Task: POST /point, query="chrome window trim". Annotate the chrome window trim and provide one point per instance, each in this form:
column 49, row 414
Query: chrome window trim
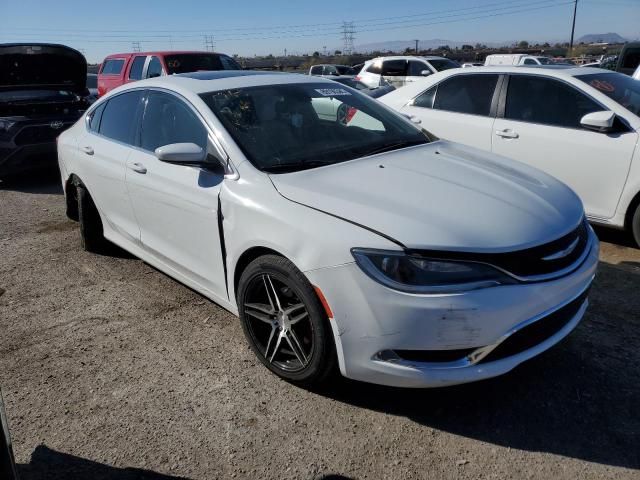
column 231, row 171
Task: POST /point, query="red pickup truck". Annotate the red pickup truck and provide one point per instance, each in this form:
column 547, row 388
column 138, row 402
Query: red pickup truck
column 121, row 68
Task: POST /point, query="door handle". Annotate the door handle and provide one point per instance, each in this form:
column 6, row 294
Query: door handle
column 88, row 150
column 506, row 133
column 138, row 167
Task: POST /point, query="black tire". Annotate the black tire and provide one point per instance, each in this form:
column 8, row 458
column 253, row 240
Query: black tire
column 91, row 236
column 314, row 361
column 635, row 226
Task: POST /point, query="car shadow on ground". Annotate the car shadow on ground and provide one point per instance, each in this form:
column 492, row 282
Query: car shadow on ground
column 621, row 238
column 43, row 181
column 49, row 464
column 579, row 399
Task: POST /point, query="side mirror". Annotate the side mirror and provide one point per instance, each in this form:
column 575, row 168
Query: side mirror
column 411, row 118
column 598, row 121
column 182, row 154
column 425, row 73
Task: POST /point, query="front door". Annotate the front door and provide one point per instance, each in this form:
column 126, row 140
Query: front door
column 177, row 205
column 541, row 127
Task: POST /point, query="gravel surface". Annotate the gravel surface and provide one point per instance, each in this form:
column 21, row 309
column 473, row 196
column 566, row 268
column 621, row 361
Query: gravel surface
column 112, row 370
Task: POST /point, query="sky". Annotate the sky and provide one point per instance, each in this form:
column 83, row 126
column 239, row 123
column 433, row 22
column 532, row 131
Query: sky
column 260, row 27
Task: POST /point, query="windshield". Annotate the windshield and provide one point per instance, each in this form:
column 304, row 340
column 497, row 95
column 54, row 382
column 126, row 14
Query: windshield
column 284, row 128
column 443, row 64
column 545, row 61
column 194, row 62
column 618, row 87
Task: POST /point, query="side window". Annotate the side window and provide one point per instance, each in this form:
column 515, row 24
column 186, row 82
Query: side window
column 317, row 70
column 96, row 116
column 229, row 63
column 547, row 101
column 425, row 99
column 416, row 68
column 155, row 68
column 119, row 116
column 136, row 68
column 529, row 61
column 470, row 94
column 167, row 120
column 631, row 58
column 375, row 68
column 112, row 66
column 394, row 68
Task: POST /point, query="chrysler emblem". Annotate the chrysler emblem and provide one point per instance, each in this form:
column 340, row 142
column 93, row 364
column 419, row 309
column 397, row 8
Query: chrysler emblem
column 56, row 125
column 563, row 253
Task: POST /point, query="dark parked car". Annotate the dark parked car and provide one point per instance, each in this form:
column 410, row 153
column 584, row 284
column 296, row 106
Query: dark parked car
column 629, row 58
column 42, row 92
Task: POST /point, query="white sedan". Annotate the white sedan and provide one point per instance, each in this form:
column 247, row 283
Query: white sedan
column 366, row 246
column 578, row 124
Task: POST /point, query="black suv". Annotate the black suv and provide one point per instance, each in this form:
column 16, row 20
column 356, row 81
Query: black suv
column 42, row 92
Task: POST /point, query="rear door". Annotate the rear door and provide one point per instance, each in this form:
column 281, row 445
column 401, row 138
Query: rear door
column 461, row 108
column 395, row 72
column 539, row 124
column 105, row 149
column 177, row 205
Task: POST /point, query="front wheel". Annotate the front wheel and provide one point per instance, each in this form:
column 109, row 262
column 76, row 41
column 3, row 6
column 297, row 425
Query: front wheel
column 284, row 321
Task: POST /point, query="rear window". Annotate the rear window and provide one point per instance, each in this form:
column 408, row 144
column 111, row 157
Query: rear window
column 112, row 66
column 193, row 62
column 443, row 64
column 375, row 68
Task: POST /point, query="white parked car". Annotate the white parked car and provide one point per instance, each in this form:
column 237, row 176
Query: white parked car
column 401, row 70
column 578, row 124
column 512, row 59
column 404, row 260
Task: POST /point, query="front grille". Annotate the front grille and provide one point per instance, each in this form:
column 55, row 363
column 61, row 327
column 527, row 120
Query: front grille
column 530, row 262
column 536, row 333
column 39, row 134
column 433, row 356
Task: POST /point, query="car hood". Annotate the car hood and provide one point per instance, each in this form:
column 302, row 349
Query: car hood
column 42, row 67
column 442, row 196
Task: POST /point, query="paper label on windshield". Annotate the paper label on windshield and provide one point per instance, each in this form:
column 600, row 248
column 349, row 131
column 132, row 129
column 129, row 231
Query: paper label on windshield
column 332, row 92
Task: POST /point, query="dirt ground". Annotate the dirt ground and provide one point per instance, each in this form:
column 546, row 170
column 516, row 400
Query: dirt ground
column 112, row 370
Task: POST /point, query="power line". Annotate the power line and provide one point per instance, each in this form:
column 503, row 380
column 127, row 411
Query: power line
column 391, row 26
column 335, row 26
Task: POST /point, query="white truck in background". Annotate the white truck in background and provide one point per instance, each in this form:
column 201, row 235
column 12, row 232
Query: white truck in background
column 516, row 59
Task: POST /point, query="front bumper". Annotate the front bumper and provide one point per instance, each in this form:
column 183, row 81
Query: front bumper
column 370, row 320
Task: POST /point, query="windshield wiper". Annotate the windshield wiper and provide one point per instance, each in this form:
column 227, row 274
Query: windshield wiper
column 295, row 166
column 387, row 147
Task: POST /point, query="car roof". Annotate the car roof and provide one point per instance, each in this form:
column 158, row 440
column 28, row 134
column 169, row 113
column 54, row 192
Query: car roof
column 210, row 81
column 549, row 70
column 159, row 53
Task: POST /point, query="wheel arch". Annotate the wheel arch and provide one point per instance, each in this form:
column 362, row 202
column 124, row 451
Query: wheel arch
column 246, row 258
column 71, row 196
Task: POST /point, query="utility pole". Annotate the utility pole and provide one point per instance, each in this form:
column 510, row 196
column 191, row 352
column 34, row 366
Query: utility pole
column 416, row 46
column 573, row 27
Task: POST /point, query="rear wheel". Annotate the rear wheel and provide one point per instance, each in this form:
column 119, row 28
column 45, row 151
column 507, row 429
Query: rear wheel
column 635, row 226
column 284, row 321
column 91, row 236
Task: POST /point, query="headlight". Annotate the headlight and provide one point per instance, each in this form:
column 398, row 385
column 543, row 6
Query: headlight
column 5, row 125
column 414, row 274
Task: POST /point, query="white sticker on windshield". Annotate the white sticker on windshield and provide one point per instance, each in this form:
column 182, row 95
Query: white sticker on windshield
column 332, row 92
